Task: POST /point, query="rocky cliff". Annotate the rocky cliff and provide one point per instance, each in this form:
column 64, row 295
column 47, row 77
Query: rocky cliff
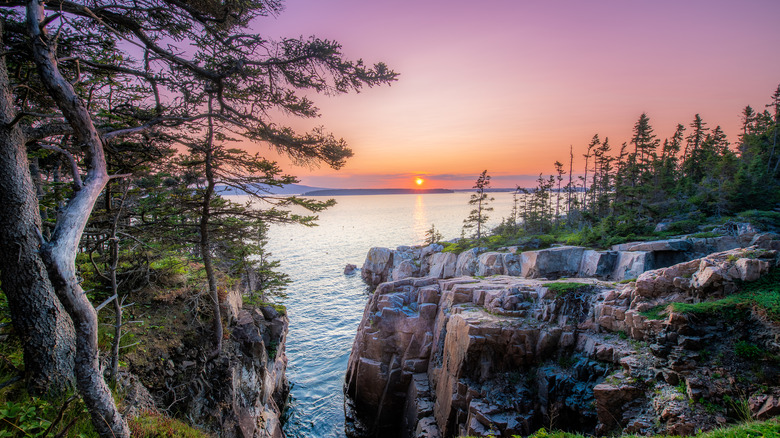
column 441, row 353
column 241, row 393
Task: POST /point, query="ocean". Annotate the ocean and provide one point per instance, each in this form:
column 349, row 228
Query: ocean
column 325, row 306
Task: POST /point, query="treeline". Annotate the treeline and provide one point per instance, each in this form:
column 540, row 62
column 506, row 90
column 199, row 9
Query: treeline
column 626, row 191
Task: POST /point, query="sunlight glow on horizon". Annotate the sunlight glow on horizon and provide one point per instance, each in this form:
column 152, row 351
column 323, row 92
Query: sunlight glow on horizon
column 509, row 86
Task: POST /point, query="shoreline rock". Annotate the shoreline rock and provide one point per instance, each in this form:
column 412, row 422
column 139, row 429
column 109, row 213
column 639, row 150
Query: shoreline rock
column 508, row 354
column 622, row 262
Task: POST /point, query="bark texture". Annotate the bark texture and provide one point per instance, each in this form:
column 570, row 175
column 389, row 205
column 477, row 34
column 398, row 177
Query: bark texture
column 38, row 317
column 59, row 254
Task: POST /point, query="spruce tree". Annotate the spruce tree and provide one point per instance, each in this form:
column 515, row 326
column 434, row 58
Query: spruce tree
column 480, row 200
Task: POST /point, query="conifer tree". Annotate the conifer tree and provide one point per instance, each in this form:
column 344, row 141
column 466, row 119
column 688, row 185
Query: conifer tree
column 480, row 200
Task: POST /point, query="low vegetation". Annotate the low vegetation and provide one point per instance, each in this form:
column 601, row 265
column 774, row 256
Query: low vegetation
column 565, row 288
column 155, row 425
column 761, row 296
column 752, row 429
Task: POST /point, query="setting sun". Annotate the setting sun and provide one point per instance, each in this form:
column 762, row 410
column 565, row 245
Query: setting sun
column 419, row 181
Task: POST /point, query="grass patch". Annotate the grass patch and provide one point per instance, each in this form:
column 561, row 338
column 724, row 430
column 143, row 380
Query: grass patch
column 706, row 235
column 762, row 295
column 564, row 288
column 656, row 312
column 154, row 425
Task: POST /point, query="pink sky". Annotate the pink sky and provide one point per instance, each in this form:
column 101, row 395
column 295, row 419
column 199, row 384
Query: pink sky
column 508, row 85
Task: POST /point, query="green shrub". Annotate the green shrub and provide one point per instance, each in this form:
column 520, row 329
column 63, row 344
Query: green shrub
column 748, row 351
column 685, row 226
column 657, row 312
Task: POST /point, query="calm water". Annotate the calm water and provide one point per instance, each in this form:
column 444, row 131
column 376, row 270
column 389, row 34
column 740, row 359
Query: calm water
column 325, row 306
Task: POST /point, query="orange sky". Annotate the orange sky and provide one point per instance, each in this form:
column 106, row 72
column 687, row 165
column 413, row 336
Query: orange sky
column 507, row 86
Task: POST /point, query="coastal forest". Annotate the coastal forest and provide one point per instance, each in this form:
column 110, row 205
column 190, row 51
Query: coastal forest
column 622, row 193
column 123, row 121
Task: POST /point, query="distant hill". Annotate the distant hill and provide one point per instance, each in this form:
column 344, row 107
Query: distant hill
column 353, row 192
column 290, row 189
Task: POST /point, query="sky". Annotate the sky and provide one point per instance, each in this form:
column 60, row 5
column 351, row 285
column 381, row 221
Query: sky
column 508, row 86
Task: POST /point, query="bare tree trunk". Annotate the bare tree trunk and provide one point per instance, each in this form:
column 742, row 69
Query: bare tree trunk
column 570, row 187
column 59, row 254
column 205, row 242
column 113, row 266
column 37, row 316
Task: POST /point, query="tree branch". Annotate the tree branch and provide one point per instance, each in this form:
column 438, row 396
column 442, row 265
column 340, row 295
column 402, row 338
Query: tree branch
column 74, row 166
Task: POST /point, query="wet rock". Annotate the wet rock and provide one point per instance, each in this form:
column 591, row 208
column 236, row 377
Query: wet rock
column 350, row 269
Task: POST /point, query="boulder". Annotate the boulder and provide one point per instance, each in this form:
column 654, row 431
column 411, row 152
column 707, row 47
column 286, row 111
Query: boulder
column 378, row 265
column 513, row 264
column 599, row 264
column 662, row 245
column 654, row 283
column 704, row 246
column 751, row 269
column 490, row 263
column 630, row 264
column 467, row 263
column 350, row 269
column 405, row 269
column 552, row 262
column 610, row 400
column 425, row 257
column 443, row 265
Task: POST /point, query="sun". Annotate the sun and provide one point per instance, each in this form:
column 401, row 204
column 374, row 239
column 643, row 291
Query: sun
column 419, row 181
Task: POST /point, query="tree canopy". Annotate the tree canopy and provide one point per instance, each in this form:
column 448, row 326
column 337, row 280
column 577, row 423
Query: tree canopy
column 112, row 86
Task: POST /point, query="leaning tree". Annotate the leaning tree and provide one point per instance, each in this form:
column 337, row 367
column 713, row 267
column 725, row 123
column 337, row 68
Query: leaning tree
column 184, row 62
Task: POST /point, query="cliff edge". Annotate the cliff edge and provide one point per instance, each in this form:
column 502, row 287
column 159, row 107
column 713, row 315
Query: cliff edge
column 684, row 347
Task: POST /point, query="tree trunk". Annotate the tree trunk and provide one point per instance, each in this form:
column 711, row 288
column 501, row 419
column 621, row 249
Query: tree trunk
column 205, row 243
column 38, row 318
column 59, row 254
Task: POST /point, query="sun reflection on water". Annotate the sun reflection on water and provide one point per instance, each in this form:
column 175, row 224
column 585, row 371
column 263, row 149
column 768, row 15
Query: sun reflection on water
column 421, row 224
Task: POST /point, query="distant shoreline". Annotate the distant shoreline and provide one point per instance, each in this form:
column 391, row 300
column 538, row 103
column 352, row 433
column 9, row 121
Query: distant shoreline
column 354, row 192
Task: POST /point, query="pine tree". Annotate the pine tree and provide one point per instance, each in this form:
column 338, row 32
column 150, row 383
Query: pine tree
column 480, row 200
column 692, row 160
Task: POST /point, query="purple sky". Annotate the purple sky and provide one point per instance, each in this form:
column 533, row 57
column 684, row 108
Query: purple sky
column 507, row 86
